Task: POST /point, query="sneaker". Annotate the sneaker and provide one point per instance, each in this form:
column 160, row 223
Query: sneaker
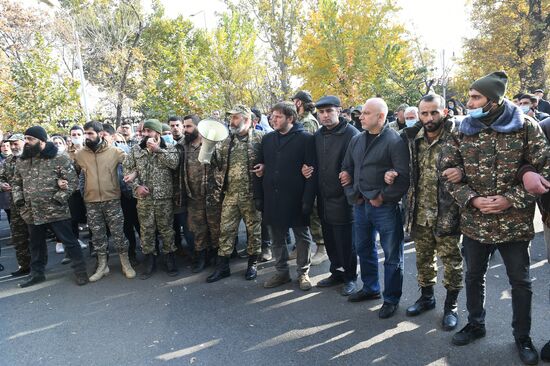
column 305, row 282
column 349, row 288
column 267, row 254
column 82, row 244
column 527, row 352
column 66, row 260
column 468, row 334
column 21, row 272
column 277, row 280
column 32, row 280
column 59, row 248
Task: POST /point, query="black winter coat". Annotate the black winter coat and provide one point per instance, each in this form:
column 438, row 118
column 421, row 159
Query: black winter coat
column 285, row 191
column 331, row 146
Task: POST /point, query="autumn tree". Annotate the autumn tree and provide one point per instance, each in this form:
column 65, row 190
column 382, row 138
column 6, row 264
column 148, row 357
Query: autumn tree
column 512, row 35
column 32, row 88
column 358, row 59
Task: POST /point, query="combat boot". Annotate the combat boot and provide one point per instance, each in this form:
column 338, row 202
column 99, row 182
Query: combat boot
column 424, row 303
column 222, row 270
column 126, row 265
column 102, row 268
column 199, row 261
column 252, row 270
column 170, row 261
column 148, row 266
column 450, row 314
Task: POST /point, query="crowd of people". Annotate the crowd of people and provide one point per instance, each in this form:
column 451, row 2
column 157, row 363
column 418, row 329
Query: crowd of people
column 459, row 186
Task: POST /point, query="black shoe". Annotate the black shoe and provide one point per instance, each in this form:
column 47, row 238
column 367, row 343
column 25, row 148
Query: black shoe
column 545, row 352
column 527, row 352
column 330, row 281
column 21, row 272
column 81, row 278
column 252, row 270
column 424, row 303
column 133, row 260
column 349, row 288
column 171, row 268
column 148, row 267
column 468, row 334
column 363, row 296
column 222, row 270
column 199, row 261
column 449, row 321
column 387, row 310
column 33, row 280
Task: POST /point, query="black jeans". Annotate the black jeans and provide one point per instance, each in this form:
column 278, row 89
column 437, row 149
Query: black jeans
column 39, row 251
column 180, row 225
column 131, row 221
column 515, row 256
column 340, row 250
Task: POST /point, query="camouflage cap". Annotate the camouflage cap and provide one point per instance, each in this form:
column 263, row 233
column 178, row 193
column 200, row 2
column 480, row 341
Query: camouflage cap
column 240, row 109
column 16, row 137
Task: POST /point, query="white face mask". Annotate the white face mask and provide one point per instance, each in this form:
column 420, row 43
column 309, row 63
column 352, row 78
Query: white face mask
column 410, row 122
column 60, row 149
column 77, row 140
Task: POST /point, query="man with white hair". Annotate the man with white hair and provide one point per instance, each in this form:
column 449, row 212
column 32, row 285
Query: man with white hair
column 411, row 116
column 376, row 205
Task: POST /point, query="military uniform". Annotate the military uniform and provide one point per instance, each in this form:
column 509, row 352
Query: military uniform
column 18, row 227
column 237, row 157
column 42, row 203
column 203, row 185
column 311, row 125
column 429, row 202
column 156, row 210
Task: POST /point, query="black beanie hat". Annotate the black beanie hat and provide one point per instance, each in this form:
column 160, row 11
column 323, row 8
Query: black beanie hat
column 37, row 132
column 493, row 86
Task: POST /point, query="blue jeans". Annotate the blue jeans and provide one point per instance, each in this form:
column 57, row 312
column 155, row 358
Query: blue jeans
column 387, row 221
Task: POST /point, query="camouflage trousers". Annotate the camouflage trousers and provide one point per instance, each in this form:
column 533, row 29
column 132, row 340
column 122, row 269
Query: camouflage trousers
column 103, row 215
column 447, row 247
column 20, row 238
column 233, row 210
column 315, row 227
column 156, row 215
column 204, row 223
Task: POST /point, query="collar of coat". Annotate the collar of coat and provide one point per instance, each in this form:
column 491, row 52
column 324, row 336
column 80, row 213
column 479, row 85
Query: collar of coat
column 296, row 127
column 103, row 145
column 339, row 129
column 511, row 120
column 449, row 126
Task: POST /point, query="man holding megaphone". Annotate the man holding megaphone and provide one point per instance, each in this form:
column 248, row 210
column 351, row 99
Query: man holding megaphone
column 238, row 159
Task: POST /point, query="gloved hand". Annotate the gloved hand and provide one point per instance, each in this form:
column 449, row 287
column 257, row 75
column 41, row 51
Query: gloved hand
column 307, row 209
column 259, row 204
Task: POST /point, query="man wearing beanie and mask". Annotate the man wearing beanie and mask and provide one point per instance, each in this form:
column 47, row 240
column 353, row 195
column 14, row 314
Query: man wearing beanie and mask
column 42, row 185
column 154, row 163
column 99, row 161
column 496, row 210
column 18, row 227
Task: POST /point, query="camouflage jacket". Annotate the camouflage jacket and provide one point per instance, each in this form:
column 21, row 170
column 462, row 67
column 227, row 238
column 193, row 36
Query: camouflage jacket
column 309, row 122
column 222, row 160
column 154, row 170
column 395, row 126
column 440, row 207
column 489, row 157
column 202, row 181
column 7, row 173
column 35, row 190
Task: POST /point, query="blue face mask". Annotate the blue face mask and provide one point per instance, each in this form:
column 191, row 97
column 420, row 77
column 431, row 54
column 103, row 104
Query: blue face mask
column 478, row 112
column 525, row 108
column 168, row 139
column 410, row 122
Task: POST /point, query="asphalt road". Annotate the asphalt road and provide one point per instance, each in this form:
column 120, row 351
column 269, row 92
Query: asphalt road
column 183, row 320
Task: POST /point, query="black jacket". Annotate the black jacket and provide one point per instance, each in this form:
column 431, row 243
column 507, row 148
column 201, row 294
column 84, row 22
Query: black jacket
column 288, row 196
column 331, row 146
column 544, row 106
column 368, row 166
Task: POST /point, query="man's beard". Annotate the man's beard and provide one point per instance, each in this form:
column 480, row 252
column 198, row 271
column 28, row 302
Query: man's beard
column 31, row 151
column 237, row 130
column 93, row 144
column 16, row 153
column 433, row 126
column 190, row 137
column 143, row 143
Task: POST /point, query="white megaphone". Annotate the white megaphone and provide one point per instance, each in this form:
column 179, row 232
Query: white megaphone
column 212, row 132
